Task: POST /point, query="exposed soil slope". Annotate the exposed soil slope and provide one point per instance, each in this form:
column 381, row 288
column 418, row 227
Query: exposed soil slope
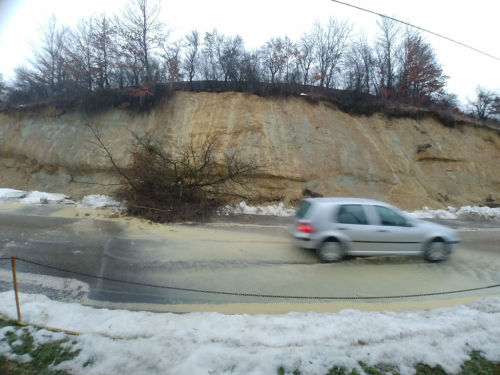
column 411, row 163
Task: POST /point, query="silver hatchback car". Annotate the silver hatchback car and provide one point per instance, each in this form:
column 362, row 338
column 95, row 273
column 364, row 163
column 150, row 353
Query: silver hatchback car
column 336, row 227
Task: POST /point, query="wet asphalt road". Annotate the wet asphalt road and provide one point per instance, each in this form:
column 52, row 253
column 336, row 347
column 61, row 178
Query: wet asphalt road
column 248, row 254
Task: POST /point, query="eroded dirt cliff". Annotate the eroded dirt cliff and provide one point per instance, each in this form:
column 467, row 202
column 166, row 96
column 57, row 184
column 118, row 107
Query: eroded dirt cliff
column 411, row 163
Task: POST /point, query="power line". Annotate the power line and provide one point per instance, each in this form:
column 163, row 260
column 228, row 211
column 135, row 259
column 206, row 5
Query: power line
column 416, row 27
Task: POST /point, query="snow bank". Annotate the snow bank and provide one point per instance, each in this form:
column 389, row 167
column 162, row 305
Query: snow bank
column 39, row 197
column 242, row 208
column 466, row 212
column 425, row 213
column 102, row 201
column 484, row 213
column 201, row 343
column 98, row 201
column 20, row 196
column 10, row 195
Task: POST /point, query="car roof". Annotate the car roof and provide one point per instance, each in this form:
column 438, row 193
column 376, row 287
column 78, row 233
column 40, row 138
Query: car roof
column 345, row 200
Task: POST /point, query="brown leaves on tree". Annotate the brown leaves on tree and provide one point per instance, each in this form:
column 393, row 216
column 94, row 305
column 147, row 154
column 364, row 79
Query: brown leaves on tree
column 142, row 91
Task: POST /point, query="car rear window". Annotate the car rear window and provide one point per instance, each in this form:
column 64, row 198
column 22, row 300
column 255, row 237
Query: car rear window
column 303, row 208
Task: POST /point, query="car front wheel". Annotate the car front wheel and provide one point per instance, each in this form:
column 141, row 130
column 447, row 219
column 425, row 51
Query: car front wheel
column 436, row 251
column 331, row 251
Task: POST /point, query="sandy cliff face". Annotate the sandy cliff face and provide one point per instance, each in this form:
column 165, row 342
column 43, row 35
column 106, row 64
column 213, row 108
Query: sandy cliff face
column 411, row 163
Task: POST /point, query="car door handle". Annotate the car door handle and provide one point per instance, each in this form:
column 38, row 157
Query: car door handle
column 343, row 228
column 383, row 230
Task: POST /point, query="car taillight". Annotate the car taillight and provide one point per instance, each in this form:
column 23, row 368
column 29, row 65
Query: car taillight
column 306, row 228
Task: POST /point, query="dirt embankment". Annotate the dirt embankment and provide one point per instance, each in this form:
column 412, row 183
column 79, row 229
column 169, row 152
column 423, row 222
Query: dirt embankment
column 411, row 163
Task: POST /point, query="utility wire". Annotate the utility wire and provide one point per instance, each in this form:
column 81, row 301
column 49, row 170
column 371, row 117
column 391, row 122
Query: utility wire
column 255, row 294
column 416, row 27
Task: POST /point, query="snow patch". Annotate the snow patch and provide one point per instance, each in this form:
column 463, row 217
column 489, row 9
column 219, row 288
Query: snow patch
column 451, row 213
column 98, row 201
column 243, row 209
column 102, row 201
column 20, row 196
column 201, row 343
column 466, row 212
column 425, row 213
column 10, row 195
column 40, row 197
column 482, row 213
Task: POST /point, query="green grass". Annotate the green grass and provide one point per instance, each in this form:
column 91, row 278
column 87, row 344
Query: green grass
column 477, row 365
column 43, row 356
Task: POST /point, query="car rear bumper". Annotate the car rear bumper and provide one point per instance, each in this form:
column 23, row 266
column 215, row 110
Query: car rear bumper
column 300, row 239
column 304, row 243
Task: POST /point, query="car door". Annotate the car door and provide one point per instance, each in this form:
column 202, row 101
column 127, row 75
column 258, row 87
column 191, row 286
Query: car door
column 393, row 233
column 351, row 220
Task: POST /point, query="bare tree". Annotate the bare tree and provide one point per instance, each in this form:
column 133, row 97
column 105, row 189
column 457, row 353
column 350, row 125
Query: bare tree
column 291, row 69
column 273, row 58
column 3, row 87
column 104, row 44
column 386, row 46
column 230, row 54
column 331, row 42
column 192, row 44
column 360, row 65
column 486, row 104
column 142, row 31
column 306, row 59
column 26, row 79
column 448, row 100
column 81, row 58
column 250, row 67
column 211, row 53
column 48, row 55
column 172, row 57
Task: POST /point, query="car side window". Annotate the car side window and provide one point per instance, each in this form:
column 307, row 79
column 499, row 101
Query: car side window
column 351, row 214
column 390, row 218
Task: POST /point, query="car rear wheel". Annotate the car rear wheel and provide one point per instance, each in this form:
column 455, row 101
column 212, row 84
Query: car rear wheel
column 331, row 251
column 436, row 251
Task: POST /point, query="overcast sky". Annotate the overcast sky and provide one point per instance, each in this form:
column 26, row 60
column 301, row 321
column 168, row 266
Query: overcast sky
column 476, row 23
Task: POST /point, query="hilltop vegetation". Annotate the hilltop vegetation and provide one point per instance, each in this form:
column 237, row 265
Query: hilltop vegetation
column 127, row 60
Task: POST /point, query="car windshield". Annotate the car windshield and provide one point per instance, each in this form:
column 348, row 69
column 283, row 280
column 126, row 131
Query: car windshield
column 390, row 217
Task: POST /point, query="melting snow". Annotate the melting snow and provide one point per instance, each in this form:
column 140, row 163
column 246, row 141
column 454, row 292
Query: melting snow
column 7, row 195
column 98, row 201
column 243, row 208
column 101, row 201
column 466, row 212
column 20, row 196
column 118, row 341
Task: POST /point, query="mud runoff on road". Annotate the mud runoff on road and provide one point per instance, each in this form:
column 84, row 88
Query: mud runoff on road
column 253, row 255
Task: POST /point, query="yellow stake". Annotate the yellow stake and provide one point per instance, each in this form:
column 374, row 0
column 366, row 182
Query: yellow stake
column 15, row 289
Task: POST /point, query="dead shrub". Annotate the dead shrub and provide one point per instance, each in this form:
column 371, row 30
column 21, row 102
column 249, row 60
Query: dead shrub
column 185, row 183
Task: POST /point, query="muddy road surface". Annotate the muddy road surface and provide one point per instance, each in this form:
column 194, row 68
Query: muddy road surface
column 128, row 263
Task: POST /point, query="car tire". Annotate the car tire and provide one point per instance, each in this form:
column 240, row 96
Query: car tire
column 331, row 251
column 436, row 251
